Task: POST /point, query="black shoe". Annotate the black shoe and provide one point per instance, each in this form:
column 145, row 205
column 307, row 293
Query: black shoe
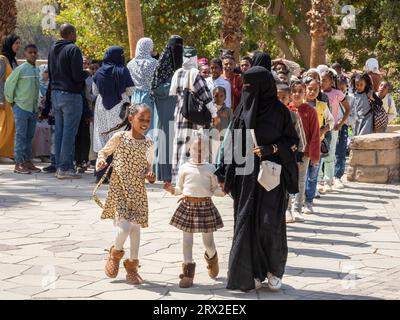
column 50, row 169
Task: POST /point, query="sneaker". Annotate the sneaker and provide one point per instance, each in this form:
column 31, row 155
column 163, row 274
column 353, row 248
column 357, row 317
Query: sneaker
column 50, row 169
column 328, row 188
column 70, row 174
column 317, row 195
column 57, row 173
column 20, row 168
column 321, row 188
column 274, row 283
column 30, row 166
column 5, row 160
column 338, row 184
column 257, row 284
column 298, row 217
column 36, row 160
column 308, row 208
column 289, row 216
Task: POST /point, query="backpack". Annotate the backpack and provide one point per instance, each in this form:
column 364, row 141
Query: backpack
column 381, row 118
column 194, row 110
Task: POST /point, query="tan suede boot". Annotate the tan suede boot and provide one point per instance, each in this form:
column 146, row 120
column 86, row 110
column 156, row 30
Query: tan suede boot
column 132, row 275
column 112, row 265
column 212, row 265
column 187, row 276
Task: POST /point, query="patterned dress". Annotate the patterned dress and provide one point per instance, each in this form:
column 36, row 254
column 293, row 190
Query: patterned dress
column 127, row 198
column 183, row 128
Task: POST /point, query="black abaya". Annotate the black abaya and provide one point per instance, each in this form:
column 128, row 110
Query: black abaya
column 259, row 242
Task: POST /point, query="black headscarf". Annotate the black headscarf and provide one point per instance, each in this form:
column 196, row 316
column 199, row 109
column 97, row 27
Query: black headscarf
column 6, row 49
column 258, row 95
column 171, row 59
column 262, row 59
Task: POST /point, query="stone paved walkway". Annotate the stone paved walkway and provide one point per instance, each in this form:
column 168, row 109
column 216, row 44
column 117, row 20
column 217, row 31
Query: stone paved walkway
column 52, row 242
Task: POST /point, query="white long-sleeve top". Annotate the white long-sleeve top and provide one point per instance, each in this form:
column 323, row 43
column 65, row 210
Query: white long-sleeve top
column 197, row 180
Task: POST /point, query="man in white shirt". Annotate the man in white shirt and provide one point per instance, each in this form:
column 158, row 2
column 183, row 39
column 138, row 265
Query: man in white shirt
column 387, row 100
column 216, row 80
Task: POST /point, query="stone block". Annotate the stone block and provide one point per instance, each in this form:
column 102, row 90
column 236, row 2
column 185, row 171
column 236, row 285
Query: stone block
column 371, row 174
column 362, row 157
column 394, row 174
column 376, row 141
column 388, row 157
column 350, row 173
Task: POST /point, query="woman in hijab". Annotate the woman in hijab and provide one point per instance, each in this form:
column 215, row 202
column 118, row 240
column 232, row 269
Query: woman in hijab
column 142, row 69
column 113, row 86
column 187, row 77
column 262, row 59
column 170, row 61
column 10, row 46
column 259, row 248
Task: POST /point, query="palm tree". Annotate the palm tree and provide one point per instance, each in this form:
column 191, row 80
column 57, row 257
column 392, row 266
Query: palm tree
column 135, row 23
column 232, row 17
column 317, row 19
column 8, row 17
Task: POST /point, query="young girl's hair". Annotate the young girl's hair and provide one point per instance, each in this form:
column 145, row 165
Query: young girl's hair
column 361, row 76
column 127, row 110
column 296, row 83
column 307, row 80
column 342, row 79
column 331, row 75
column 219, row 89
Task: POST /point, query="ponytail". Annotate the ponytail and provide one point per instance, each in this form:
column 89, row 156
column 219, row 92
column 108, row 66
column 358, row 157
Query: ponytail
column 127, row 109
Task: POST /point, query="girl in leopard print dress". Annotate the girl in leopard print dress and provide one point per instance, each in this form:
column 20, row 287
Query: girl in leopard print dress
column 126, row 201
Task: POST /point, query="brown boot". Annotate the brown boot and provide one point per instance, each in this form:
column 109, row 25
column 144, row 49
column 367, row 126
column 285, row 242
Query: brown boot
column 187, row 275
column 212, row 265
column 20, row 168
column 112, row 265
column 30, row 166
column 132, row 275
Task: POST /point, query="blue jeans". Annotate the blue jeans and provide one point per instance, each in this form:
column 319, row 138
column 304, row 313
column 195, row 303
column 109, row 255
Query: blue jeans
column 312, row 181
column 341, row 149
column 67, row 108
column 25, row 125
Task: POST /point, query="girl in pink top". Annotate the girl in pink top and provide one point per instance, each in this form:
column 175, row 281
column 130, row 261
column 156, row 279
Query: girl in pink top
column 337, row 100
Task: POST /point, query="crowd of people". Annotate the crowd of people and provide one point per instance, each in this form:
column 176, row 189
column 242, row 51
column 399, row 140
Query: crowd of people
column 137, row 120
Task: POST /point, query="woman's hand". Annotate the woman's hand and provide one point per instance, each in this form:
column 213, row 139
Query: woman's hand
column 2, row 105
column 151, row 177
column 101, row 164
column 258, row 151
column 215, row 121
column 169, row 187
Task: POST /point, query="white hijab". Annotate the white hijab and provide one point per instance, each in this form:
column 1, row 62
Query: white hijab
column 190, row 67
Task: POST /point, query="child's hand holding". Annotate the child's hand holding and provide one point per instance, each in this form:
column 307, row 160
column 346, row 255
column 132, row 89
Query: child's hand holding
column 169, row 187
column 151, row 177
column 101, row 164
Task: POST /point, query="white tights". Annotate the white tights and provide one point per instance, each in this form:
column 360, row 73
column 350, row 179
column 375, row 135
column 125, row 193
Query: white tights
column 208, row 241
column 128, row 229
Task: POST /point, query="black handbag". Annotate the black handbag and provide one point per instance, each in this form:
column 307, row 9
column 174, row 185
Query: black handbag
column 193, row 110
column 326, row 144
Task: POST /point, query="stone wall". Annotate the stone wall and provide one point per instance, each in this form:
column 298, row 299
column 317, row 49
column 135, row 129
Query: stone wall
column 375, row 158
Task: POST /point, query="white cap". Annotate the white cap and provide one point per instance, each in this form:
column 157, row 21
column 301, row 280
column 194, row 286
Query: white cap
column 372, row 65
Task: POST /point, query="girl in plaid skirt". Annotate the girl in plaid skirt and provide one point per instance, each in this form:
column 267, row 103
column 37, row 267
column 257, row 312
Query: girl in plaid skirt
column 196, row 212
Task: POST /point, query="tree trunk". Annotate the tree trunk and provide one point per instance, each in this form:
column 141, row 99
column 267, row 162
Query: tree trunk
column 319, row 30
column 232, row 17
column 301, row 40
column 8, row 17
column 135, row 24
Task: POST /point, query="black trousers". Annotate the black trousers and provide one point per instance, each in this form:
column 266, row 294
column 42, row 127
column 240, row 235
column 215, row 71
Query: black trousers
column 82, row 142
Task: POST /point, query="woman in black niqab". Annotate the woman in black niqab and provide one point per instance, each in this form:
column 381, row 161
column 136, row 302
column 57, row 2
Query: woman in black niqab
column 259, row 245
column 262, row 59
